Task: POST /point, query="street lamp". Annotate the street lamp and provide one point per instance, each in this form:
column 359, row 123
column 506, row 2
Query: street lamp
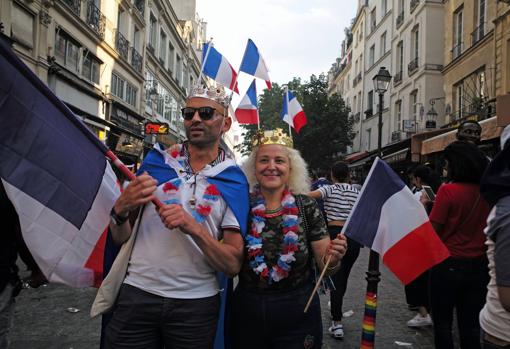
column 431, row 116
column 381, row 84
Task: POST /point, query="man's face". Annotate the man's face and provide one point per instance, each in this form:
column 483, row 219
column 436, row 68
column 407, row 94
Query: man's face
column 203, row 133
column 469, row 132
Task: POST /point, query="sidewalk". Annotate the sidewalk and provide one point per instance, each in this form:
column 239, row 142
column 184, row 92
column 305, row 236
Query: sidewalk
column 42, row 319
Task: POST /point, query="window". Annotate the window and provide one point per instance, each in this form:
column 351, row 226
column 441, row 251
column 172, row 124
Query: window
column 369, row 139
column 171, row 56
column 117, row 86
column 373, row 20
column 371, row 54
column 66, row 50
column 383, row 44
column 178, row 69
column 481, row 14
column 370, row 104
column 90, row 67
column 458, row 23
column 354, row 104
column 384, row 7
column 400, row 7
column 137, row 39
column 153, row 31
column 459, row 99
column 398, row 115
column 413, row 101
column 481, row 84
column 415, row 42
column 400, row 57
column 22, row 26
column 162, row 47
column 124, row 90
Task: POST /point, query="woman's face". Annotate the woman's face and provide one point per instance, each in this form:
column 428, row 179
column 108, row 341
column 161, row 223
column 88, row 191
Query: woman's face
column 272, row 167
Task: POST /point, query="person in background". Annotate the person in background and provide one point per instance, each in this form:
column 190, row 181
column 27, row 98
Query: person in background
column 339, row 199
column 459, row 216
column 287, row 237
column 495, row 188
column 319, row 182
column 469, row 131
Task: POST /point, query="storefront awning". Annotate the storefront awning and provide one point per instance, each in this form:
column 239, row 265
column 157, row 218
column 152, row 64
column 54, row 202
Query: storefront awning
column 398, row 156
column 356, row 156
column 490, row 130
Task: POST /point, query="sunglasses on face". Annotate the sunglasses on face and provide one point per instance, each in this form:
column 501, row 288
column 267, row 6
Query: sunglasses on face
column 205, row 113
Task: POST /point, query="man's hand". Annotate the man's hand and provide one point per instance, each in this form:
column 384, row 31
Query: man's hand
column 174, row 216
column 139, row 192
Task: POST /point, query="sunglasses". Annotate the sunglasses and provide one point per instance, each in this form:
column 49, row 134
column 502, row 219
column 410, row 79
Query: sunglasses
column 205, row 113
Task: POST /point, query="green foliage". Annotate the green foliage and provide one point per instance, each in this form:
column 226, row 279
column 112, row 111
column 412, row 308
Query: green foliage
column 328, row 130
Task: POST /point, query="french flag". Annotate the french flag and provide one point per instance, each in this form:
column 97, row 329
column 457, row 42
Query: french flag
column 292, row 112
column 254, row 64
column 215, row 66
column 56, row 175
column 247, row 112
column 391, row 221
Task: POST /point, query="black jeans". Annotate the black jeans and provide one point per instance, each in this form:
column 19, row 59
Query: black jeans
column 341, row 277
column 460, row 284
column 146, row 321
column 276, row 320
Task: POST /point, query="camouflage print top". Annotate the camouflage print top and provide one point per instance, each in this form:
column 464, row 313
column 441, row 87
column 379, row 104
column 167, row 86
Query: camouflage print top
column 272, row 236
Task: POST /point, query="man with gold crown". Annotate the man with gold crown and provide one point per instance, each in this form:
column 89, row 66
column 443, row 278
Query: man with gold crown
column 163, row 287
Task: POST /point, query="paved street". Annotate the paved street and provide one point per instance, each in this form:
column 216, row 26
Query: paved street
column 42, row 319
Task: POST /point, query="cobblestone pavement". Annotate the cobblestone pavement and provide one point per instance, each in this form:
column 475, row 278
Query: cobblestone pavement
column 42, row 319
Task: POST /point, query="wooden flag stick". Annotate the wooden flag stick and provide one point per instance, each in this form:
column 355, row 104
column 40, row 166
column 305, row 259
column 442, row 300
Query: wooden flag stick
column 318, row 283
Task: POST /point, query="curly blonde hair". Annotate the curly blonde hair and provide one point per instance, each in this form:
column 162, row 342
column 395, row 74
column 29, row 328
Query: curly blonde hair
column 299, row 181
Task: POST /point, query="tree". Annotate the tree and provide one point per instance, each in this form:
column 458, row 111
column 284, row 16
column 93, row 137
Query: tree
column 328, row 130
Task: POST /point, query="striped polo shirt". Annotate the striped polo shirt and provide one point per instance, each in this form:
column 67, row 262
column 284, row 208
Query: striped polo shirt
column 339, row 199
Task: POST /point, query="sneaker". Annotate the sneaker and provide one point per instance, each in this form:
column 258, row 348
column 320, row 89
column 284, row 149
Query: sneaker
column 420, row 321
column 337, row 331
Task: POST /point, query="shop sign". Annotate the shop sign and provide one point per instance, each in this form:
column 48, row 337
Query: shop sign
column 156, row 128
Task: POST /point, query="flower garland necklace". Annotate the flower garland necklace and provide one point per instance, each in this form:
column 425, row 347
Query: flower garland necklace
column 254, row 239
column 200, row 208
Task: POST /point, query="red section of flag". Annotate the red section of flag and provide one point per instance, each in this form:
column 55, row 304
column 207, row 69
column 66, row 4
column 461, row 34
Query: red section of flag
column 415, row 253
column 299, row 120
column 247, row 116
column 95, row 260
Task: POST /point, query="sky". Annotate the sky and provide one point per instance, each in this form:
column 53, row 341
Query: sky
column 296, row 38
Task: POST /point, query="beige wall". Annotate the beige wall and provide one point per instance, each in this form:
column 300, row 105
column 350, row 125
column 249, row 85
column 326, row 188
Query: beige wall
column 502, row 47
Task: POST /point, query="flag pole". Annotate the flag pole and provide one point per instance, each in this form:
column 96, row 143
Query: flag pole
column 209, row 43
column 288, row 112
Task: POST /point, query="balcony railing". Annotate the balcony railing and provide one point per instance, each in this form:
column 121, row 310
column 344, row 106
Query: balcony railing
column 437, row 67
column 457, row 50
column 414, row 4
column 356, row 79
column 412, row 66
column 122, row 45
column 369, row 113
column 400, row 19
column 150, row 48
column 95, row 19
column 140, row 6
column 478, row 34
column 136, row 60
column 397, row 79
column 356, row 117
column 74, row 5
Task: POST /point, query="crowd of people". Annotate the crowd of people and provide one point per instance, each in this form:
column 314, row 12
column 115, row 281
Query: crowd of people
column 169, row 281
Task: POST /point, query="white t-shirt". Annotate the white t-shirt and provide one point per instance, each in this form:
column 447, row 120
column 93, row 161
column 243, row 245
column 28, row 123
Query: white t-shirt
column 339, row 199
column 169, row 263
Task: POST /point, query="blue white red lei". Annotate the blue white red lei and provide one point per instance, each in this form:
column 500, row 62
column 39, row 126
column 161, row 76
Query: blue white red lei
column 254, row 244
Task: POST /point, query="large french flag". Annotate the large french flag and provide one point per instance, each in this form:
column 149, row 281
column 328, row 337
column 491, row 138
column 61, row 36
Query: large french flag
column 247, row 112
column 391, row 221
column 55, row 173
column 292, row 112
column 215, row 66
column 254, row 64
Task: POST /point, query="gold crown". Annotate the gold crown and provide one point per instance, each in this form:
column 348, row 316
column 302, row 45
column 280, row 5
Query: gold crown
column 216, row 94
column 276, row 136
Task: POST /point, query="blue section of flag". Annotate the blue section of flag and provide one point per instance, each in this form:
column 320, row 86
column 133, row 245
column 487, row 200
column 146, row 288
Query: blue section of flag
column 211, row 66
column 287, row 97
column 251, row 58
column 45, row 150
column 381, row 184
column 155, row 165
column 252, row 93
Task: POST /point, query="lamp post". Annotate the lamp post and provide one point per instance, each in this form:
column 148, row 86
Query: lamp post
column 381, row 83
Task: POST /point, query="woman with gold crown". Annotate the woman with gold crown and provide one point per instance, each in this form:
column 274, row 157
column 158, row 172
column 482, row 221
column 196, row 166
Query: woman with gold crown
column 286, row 237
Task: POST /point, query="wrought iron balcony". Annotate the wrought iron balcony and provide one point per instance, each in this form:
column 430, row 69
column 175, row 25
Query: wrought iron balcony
column 478, row 34
column 397, row 79
column 412, row 66
column 95, row 19
column 457, row 50
column 150, row 48
column 136, row 60
column 414, row 4
column 140, row 6
column 74, row 5
column 400, row 19
column 121, row 45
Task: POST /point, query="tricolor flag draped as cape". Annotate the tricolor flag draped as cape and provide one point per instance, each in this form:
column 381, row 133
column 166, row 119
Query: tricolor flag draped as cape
column 215, row 66
column 391, row 221
column 55, row 173
column 247, row 112
column 292, row 112
column 254, row 64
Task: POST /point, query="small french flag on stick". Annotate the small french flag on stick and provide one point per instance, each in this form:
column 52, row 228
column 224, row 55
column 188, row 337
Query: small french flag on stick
column 292, row 112
column 388, row 219
column 254, row 64
column 247, row 112
column 215, row 66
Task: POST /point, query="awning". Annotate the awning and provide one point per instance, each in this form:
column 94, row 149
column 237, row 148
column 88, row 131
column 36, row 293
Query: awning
column 436, row 144
column 356, row 156
column 400, row 155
